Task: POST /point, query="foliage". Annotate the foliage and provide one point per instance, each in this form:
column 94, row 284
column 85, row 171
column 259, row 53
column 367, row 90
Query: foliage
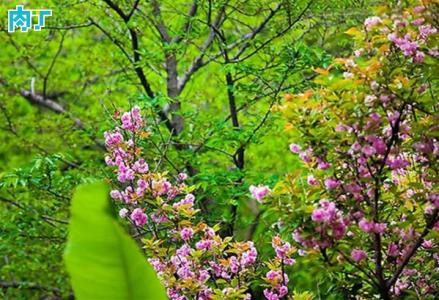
column 190, row 257
column 102, row 260
column 368, row 204
column 208, row 77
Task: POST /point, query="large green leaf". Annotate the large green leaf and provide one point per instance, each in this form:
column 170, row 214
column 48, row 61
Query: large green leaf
column 102, row 260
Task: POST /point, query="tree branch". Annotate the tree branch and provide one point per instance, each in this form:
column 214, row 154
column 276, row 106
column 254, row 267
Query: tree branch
column 131, row 13
column 52, row 64
column 412, row 250
column 279, row 34
column 187, row 25
column 251, row 35
column 161, row 27
column 39, row 100
column 118, row 10
column 136, row 61
column 197, row 63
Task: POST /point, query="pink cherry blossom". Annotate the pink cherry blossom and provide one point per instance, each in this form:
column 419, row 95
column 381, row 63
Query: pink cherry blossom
column 259, row 192
column 139, row 217
column 372, row 21
column 358, row 255
column 427, row 244
column 331, row 183
column 123, row 212
column 319, row 215
column 186, row 233
column 312, row 180
column 366, row 226
column 295, row 148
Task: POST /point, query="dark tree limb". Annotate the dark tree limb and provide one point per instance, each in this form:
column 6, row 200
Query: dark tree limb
column 133, row 9
column 135, row 46
column 237, row 58
column 158, row 22
column 115, row 41
column 136, row 60
column 118, row 10
column 251, row 35
column 244, row 41
column 198, row 62
column 52, row 64
column 186, row 27
column 52, row 105
column 239, row 156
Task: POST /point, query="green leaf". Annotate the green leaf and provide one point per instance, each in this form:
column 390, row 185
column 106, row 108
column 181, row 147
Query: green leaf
column 102, row 260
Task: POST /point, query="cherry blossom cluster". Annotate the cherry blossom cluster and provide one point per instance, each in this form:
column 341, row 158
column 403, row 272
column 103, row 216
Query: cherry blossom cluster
column 330, row 226
column 191, row 258
column 259, row 192
column 277, row 277
column 200, row 258
column 376, row 166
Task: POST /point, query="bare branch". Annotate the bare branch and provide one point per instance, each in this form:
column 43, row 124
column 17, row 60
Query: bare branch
column 244, row 41
column 117, row 9
column 52, row 64
column 135, row 48
column 251, row 35
column 277, row 35
column 137, row 68
column 39, row 100
column 131, row 13
column 198, row 61
column 187, row 25
column 161, row 27
column 69, row 27
column 113, row 40
column 134, row 43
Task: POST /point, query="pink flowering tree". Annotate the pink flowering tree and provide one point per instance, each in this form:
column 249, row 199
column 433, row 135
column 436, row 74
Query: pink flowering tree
column 190, row 257
column 367, row 203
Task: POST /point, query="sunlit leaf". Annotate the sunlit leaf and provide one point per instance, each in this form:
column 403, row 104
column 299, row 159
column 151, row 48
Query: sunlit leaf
column 102, row 260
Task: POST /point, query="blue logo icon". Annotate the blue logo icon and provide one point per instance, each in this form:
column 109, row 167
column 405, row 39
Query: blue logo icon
column 22, row 18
